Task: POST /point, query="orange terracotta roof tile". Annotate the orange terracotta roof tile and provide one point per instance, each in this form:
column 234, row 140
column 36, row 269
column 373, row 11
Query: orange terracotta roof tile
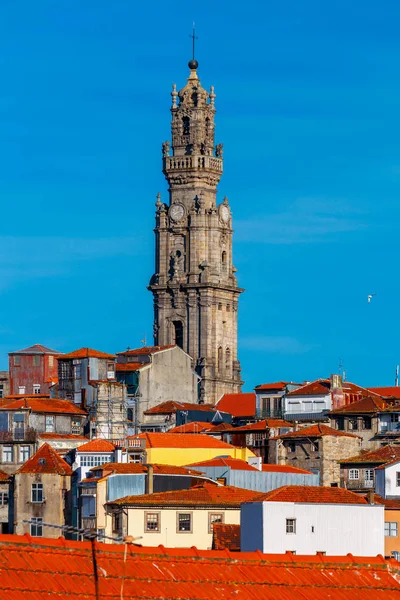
column 233, row 463
column 146, row 350
column 97, row 445
column 171, row 406
column 220, row 427
column 86, row 353
column 193, row 427
column 394, row 461
column 226, row 536
column 388, row 391
column 37, row 568
column 380, row 456
column 267, row 468
column 41, row 405
column 130, row 366
column 314, row 431
column 51, row 380
column 367, row 404
column 207, row 494
column 180, row 440
column 238, row 405
column 133, row 468
column 261, row 426
column 4, row 477
column 277, row 385
column 46, row 460
column 315, row 388
column 389, row 503
column 312, row 495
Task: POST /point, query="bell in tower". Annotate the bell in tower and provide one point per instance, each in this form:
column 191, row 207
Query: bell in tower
column 194, row 286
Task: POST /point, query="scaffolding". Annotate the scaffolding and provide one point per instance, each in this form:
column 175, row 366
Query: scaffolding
column 109, row 412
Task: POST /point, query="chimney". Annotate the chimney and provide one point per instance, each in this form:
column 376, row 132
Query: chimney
column 370, row 497
column 150, row 478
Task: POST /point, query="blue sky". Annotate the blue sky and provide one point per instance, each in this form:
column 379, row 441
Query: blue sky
column 307, row 99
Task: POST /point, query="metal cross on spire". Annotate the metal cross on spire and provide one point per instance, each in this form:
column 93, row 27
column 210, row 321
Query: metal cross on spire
column 194, row 38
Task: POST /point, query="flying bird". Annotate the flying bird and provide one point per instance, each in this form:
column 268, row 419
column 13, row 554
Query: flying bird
column 370, row 296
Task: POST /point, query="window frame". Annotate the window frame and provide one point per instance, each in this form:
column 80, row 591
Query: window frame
column 49, row 423
column 37, row 492
column 157, row 515
column 190, row 514
column 290, row 526
column 36, row 526
column 36, row 388
column 352, row 478
column 4, row 498
column 369, row 475
column 211, row 522
column 21, row 453
column 11, row 448
column 397, row 478
column 390, row 527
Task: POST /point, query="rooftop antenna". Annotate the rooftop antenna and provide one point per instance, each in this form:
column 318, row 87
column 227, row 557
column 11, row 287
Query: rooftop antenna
column 194, row 38
column 143, row 341
column 396, row 380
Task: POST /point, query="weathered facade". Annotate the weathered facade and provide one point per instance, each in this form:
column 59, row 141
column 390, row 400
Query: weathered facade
column 31, row 368
column 194, row 285
column 4, row 384
column 42, row 494
column 318, row 449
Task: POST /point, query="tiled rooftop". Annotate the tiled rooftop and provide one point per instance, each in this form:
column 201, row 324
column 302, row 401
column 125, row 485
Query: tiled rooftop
column 46, row 460
column 388, row 391
column 277, row 385
column 181, row 440
column 130, row 366
column 389, row 503
column 261, row 426
column 133, row 468
column 36, row 568
column 36, row 349
column 4, row 476
column 312, row 495
column 41, row 405
column 193, row 427
column 62, row 436
column 207, row 494
column 380, row 456
column 171, row 406
column 367, row 404
column 314, row 431
column 234, row 463
column 87, row 353
column 97, row 445
column 284, row 469
column 226, row 536
column 238, row 405
column 146, row 350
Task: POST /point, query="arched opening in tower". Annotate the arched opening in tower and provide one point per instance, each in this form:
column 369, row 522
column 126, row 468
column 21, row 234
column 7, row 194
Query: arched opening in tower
column 178, row 333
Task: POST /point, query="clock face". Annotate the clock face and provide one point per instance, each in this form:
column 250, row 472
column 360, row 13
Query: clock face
column 176, row 212
column 224, row 212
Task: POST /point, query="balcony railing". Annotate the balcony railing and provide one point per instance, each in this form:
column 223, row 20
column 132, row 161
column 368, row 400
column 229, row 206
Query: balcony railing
column 307, row 416
column 19, row 434
column 358, row 484
column 269, row 414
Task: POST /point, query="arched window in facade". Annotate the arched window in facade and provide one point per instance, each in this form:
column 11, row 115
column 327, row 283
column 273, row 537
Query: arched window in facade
column 178, row 333
column 220, row 358
column 228, row 362
column 224, row 261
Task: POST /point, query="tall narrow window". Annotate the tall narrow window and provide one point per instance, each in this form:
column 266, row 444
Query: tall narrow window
column 178, row 333
column 223, row 261
column 49, row 424
column 220, row 352
column 36, row 360
column 36, row 527
column 186, row 125
column 228, row 362
column 37, row 492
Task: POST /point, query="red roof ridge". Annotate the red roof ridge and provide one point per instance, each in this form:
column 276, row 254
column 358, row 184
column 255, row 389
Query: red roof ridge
column 97, row 445
column 86, row 353
column 308, row 494
column 46, row 460
column 317, row 430
column 180, row 440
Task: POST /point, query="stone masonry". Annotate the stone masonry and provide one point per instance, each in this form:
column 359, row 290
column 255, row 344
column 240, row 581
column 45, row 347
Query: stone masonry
column 194, row 286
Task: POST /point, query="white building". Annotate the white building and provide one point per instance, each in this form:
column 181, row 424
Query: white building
column 387, row 479
column 307, row 520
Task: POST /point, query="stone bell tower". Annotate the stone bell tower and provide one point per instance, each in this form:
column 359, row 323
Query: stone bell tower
column 194, row 286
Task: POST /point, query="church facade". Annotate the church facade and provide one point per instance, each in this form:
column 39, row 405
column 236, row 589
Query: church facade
column 194, row 287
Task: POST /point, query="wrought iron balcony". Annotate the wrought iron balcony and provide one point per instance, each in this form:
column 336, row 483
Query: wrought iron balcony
column 269, row 414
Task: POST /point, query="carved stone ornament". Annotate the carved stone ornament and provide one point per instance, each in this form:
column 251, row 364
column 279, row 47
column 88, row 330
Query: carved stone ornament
column 224, row 213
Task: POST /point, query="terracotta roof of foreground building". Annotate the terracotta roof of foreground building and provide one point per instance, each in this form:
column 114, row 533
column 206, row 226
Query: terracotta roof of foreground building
column 315, row 431
column 46, row 460
column 193, row 427
column 36, row 568
column 207, row 494
column 41, row 405
column 389, row 503
column 226, row 536
column 381, row 456
column 86, row 353
column 180, row 440
column 97, row 445
column 238, row 405
column 310, row 494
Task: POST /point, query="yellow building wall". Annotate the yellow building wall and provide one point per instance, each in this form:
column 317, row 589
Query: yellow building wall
column 168, row 536
column 188, row 456
column 101, row 499
column 392, row 543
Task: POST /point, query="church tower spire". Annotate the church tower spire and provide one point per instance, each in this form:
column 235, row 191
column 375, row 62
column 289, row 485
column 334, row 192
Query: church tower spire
column 194, row 286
